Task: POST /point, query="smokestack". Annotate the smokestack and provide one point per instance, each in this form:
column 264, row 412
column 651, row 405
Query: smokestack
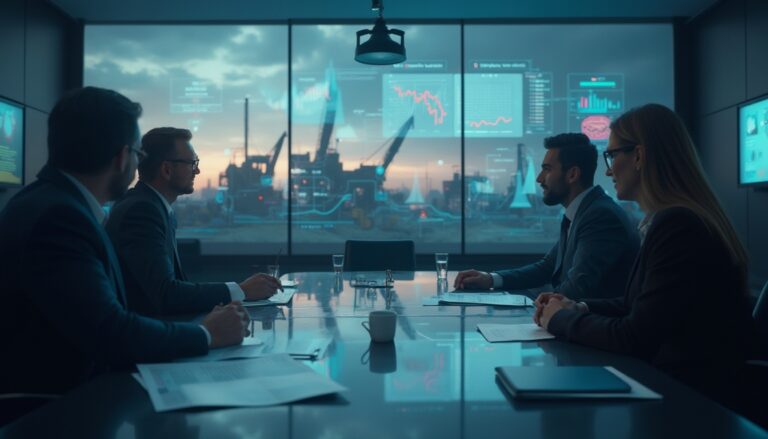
column 246, row 130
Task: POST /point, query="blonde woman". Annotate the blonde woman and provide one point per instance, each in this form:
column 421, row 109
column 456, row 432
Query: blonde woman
column 685, row 307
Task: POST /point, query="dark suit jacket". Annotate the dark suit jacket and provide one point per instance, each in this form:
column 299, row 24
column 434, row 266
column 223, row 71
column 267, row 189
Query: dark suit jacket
column 685, row 308
column 140, row 229
column 63, row 315
column 602, row 244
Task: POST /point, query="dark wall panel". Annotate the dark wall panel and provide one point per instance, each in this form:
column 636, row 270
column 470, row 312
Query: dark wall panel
column 757, row 47
column 758, row 234
column 12, row 48
column 720, row 54
column 718, row 156
column 35, row 135
column 41, row 59
column 731, row 41
column 46, row 59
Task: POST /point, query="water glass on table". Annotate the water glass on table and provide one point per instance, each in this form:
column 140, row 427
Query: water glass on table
column 441, row 266
column 274, row 271
column 338, row 263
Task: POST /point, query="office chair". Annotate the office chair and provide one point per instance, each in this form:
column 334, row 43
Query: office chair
column 379, row 256
column 760, row 313
column 16, row 405
column 754, row 404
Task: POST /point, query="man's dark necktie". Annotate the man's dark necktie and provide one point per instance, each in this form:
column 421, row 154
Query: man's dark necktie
column 561, row 247
column 176, row 260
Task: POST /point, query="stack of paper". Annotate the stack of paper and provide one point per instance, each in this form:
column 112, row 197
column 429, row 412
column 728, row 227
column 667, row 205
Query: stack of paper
column 269, row 380
column 252, row 347
column 494, row 298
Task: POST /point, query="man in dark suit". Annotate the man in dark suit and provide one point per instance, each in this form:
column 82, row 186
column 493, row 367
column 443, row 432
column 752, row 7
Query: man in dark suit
column 142, row 226
column 597, row 244
column 63, row 313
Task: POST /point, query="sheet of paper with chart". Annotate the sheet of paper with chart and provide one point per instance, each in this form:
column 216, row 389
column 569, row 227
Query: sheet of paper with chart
column 280, row 298
column 494, row 332
column 256, row 382
column 250, row 348
column 304, row 348
column 495, row 298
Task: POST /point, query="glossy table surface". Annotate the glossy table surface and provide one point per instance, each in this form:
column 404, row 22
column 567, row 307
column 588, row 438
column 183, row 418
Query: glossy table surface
column 435, row 381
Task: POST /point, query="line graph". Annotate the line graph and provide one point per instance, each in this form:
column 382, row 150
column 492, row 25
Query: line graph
column 490, row 123
column 428, row 97
column 493, row 105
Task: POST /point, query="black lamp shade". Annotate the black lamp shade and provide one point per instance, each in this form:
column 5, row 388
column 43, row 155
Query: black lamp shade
column 380, row 49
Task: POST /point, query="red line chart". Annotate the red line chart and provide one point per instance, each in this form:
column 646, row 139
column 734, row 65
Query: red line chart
column 426, row 97
column 490, row 123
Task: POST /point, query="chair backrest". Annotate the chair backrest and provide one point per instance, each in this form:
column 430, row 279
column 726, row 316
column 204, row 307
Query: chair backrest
column 760, row 313
column 15, row 405
column 379, row 256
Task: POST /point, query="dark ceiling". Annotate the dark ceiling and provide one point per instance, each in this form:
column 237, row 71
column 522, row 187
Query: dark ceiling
column 279, row 10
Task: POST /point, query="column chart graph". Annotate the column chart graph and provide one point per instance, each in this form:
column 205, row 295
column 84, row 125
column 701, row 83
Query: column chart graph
column 594, row 100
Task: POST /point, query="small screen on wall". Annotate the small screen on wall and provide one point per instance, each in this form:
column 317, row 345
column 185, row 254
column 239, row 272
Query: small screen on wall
column 11, row 144
column 753, row 142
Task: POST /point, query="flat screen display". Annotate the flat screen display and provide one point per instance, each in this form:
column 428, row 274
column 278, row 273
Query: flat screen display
column 753, row 142
column 11, row 144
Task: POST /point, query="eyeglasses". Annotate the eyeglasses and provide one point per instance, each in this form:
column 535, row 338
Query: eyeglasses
column 610, row 154
column 195, row 163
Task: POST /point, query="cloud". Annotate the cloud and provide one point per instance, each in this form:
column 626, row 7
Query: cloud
column 92, row 60
column 138, row 66
column 222, row 69
column 126, row 66
column 280, row 103
column 247, row 32
column 332, row 31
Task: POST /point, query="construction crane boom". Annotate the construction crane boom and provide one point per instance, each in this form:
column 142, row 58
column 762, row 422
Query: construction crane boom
column 275, row 154
column 396, row 143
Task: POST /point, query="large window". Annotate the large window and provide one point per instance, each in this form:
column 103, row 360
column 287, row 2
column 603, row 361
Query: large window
column 376, row 152
column 205, row 79
column 372, row 146
column 526, row 82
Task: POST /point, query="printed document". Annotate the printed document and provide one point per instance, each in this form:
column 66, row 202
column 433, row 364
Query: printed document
column 304, row 348
column 280, row 298
column 257, row 382
column 494, row 332
column 495, row 298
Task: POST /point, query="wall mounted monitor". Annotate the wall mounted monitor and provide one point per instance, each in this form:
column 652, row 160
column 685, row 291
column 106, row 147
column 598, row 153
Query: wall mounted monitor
column 753, row 142
column 11, row 144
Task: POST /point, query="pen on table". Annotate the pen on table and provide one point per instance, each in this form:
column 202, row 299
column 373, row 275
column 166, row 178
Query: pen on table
column 277, row 264
column 310, row 356
column 277, row 258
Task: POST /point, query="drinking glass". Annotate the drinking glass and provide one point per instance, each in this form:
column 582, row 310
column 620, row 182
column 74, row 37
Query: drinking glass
column 338, row 263
column 441, row 266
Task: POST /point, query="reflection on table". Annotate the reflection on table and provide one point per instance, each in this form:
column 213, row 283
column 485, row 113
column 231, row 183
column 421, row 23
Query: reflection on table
column 435, row 380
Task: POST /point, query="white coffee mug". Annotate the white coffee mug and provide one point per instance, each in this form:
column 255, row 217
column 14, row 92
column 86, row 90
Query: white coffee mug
column 381, row 326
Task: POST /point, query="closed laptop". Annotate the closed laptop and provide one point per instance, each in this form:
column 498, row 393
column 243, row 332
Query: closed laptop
column 559, row 382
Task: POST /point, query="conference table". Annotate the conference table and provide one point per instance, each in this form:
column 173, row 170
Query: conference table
column 436, row 380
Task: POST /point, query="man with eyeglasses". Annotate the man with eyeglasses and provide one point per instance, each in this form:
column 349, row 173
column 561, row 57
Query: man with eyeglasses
column 142, row 225
column 597, row 242
column 63, row 315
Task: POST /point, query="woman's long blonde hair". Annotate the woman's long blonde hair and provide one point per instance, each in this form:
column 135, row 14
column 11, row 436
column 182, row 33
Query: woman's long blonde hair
column 672, row 174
